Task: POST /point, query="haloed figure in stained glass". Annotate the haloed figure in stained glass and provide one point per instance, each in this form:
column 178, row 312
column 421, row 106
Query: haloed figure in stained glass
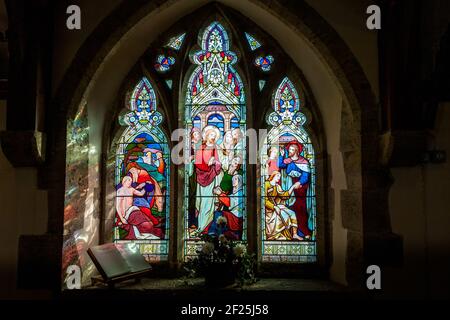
column 286, row 188
column 218, row 189
column 215, row 105
column 296, row 171
column 281, row 221
column 288, row 182
column 208, row 170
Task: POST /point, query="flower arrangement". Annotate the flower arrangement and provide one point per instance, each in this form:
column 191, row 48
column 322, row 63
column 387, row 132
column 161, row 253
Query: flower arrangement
column 222, row 261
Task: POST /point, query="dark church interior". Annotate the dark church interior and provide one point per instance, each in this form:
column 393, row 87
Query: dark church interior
column 345, row 197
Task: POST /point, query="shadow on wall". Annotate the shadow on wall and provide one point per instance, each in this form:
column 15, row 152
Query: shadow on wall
column 420, row 207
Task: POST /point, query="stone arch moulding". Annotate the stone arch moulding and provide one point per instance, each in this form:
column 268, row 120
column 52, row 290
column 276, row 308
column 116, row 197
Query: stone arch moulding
column 124, row 25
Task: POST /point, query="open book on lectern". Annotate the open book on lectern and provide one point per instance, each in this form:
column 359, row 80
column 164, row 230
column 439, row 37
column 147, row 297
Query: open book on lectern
column 118, row 259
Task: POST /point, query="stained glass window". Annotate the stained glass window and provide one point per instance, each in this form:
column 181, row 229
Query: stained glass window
column 163, row 63
column 215, row 178
column 176, row 42
column 142, row 177
column 261, row 84
column 288, row 183
column 169, row 83
column 264, row 63
column 252, row 42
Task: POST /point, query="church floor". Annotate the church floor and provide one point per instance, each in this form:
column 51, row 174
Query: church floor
column 177, row 289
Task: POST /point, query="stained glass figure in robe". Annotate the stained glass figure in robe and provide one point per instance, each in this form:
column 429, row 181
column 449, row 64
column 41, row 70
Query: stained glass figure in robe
column 288, row 183
column 142, row 177
column 215, row 112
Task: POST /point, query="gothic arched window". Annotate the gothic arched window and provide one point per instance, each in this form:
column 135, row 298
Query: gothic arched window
column 142, row 177
column 288, row 215
column 215, row 178
column 215, row 175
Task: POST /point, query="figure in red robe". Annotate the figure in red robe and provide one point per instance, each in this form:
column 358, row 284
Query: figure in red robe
column 207, row 169
column 297, row 170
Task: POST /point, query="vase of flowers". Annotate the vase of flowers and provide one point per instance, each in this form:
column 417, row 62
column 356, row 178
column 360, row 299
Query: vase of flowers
column 222, row 262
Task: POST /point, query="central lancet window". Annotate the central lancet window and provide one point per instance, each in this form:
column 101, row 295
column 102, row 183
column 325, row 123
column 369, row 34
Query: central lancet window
column 215, row 177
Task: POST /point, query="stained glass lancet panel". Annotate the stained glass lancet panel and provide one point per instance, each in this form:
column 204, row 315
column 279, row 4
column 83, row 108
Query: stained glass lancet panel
column 288, row 183
column 215, row 178
column 142, row 177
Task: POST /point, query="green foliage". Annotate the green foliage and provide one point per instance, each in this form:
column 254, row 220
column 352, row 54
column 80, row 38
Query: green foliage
column 246, row 270
column 223, row 259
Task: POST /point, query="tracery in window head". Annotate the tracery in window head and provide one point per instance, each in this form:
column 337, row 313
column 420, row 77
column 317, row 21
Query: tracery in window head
column 252, row 42
column 288, row 183
column 215, row 81
column 264, row 63
column 163, row 63
column 261, row 84
column 142, row 177
column 215, row 177
column 176, row 42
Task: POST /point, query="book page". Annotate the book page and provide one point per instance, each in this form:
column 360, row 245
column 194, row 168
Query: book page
column 110, row 260
column 134, row 259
